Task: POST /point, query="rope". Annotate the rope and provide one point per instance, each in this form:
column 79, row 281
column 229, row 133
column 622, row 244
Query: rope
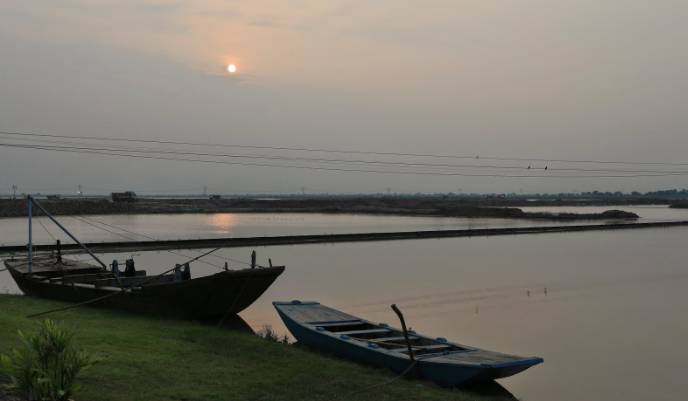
column 90, row 220
column 79, row 218
column 46, row 230
column 155, row 239
column 376, row 385
column 91, row 301
column 119, row 282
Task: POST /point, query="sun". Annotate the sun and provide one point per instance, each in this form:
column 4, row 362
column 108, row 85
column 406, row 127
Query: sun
column 231, row 68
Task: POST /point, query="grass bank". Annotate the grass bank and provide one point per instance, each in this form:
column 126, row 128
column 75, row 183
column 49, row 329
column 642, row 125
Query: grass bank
column 149, row 359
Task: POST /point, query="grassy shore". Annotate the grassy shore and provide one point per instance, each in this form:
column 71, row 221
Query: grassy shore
column 150, row 359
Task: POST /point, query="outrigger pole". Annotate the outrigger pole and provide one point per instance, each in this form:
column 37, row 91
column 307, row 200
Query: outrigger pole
column 38, row 205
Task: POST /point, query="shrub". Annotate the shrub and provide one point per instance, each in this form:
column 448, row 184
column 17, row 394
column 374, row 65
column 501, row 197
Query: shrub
column 47, row 364
column 269, row 334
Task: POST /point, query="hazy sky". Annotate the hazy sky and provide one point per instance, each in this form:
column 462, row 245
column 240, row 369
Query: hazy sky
column 603, row 80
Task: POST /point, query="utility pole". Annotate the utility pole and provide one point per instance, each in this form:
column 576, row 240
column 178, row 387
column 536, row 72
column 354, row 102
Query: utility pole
column 303, row 190
column 79, row 192
column 14, row 191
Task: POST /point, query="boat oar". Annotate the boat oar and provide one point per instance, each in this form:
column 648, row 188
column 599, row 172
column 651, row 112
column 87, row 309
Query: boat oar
column 403, row 327
column 408, row 369
column 123, row 290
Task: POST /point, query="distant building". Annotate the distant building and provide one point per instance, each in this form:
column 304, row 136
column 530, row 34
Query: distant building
column 215, row 197
column 128, row 196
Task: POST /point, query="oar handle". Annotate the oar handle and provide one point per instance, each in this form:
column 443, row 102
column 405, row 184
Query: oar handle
column 403, row 328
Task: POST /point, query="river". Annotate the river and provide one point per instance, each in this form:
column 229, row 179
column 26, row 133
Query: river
column 606, row 310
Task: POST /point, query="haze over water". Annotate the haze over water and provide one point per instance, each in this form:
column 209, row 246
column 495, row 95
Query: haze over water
column 610, row 326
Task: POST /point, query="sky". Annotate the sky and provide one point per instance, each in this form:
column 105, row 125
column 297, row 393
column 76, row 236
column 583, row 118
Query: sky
column 578, row 80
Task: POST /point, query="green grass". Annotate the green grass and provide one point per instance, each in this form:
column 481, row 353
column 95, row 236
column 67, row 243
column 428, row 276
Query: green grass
column 141, row 358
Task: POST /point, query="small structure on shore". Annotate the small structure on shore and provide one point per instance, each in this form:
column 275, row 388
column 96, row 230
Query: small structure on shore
column 127, row 196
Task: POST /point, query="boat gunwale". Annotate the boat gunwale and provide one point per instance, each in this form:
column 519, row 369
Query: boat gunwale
column 40, row 277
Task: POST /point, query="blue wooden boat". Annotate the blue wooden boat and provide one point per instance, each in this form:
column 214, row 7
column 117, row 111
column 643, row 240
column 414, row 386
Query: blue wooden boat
column 443, row 362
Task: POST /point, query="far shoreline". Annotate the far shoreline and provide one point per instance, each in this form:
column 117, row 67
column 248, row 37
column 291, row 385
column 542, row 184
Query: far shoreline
column 383, row 206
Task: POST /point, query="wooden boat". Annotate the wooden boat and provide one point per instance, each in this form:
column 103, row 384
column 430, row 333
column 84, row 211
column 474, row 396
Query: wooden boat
column 171, row 294
column 436, row 359
column 210, row 297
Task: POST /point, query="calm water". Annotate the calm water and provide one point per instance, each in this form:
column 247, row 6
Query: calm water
column 237, row 225
column 611, row 325
column 264, row 224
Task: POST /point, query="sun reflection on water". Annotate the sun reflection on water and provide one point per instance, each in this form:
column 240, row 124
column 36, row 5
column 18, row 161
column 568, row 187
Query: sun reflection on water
column 223, row 221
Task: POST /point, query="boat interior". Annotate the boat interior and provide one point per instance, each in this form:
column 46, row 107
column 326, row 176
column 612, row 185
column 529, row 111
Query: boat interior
column 106, row 279
column 385, row 337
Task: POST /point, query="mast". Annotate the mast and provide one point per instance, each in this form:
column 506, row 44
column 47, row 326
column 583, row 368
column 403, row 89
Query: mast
column 30, row 203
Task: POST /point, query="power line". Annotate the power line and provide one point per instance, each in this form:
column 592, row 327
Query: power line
column 343, row 151
column 402, row 172
column 335, row 161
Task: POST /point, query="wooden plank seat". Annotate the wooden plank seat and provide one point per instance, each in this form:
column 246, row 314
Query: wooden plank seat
column 432, row 347
column 391, row 339
column 354, row 333
column 337, row 323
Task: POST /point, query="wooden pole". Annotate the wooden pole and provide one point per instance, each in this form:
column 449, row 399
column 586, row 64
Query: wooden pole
column 30, row 202
column 38, row 205
column 403, row 327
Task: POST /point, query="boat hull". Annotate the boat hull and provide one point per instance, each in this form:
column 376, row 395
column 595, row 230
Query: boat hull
column 204, row 298
column 440, row 368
